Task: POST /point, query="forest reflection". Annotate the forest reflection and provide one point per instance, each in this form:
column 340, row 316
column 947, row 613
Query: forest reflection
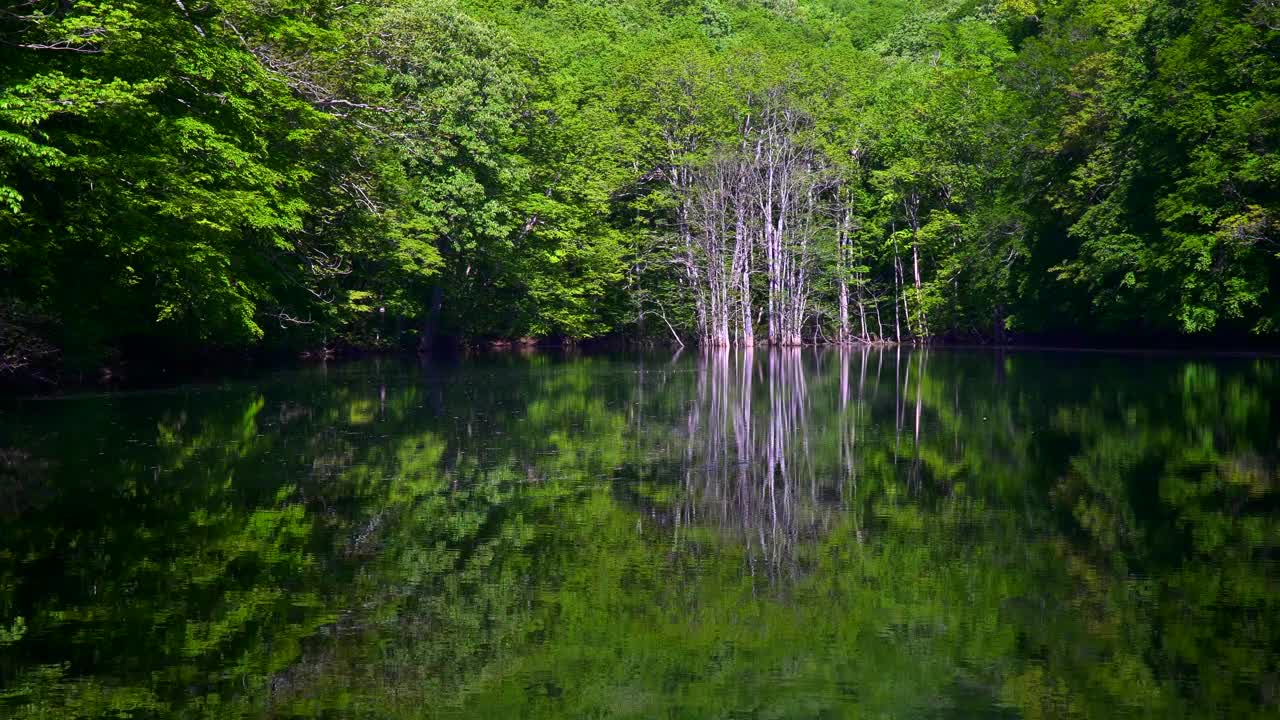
column 753, row 464
column 786, row 533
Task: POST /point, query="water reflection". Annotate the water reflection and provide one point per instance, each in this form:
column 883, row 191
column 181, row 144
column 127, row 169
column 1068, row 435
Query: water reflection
column 754, row 477
column 770, row 534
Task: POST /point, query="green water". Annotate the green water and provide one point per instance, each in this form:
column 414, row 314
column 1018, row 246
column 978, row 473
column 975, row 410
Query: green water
column 882, row 534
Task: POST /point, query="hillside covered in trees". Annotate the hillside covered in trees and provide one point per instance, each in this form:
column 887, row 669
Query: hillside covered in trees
column 294, row 174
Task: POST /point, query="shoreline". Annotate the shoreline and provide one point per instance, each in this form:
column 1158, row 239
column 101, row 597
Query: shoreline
column 213, row 365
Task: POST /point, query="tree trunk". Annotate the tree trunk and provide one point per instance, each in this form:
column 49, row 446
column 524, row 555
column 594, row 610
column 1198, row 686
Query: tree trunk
column 862, row 316
column 915, row 262
column 431, row 324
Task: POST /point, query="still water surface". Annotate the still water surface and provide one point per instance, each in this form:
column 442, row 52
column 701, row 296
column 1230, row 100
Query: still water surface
column 862, row 534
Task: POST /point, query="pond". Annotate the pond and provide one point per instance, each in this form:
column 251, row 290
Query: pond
column 863, row 533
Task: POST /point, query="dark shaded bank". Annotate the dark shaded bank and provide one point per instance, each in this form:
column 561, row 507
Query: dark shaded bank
column 139, row 365
column 1137, row 341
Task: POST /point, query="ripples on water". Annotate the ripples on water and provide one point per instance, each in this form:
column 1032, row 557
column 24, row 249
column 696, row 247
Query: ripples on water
column 828, row 534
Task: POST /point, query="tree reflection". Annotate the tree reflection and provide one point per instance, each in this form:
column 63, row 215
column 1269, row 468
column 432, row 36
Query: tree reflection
column 853, row 532
column 753, row 476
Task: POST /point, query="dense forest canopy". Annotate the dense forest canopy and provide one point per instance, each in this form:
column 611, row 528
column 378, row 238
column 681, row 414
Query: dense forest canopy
column 307, row 173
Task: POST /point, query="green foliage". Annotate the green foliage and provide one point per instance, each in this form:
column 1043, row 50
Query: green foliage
column 294, row 173
column 1169, row 146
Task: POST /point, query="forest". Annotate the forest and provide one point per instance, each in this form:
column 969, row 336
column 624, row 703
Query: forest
column 191, row 176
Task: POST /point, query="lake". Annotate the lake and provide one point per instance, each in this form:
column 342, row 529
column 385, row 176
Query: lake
column 880, row 533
